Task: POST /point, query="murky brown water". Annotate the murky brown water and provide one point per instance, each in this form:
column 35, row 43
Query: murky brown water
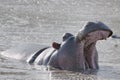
column 44, row 21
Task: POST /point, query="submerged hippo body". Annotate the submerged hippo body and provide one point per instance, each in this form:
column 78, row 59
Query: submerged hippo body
column 74, row 53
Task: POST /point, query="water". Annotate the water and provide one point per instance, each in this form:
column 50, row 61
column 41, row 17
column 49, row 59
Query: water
column 44, row 21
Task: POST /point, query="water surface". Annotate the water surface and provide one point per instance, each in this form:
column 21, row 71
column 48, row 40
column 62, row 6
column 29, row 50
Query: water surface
column 44, row 21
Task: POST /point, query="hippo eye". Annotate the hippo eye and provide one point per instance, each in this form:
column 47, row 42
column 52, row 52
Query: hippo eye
column 64, row 38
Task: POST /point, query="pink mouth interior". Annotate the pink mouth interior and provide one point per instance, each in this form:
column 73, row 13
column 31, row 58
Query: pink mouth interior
column 95, row 36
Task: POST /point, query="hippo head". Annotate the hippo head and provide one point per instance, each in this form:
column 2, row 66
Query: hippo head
column 96, row 28
column 90, row 34
column 79, row 52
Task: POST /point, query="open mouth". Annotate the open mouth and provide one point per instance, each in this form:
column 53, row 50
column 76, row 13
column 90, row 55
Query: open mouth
column 95, row 36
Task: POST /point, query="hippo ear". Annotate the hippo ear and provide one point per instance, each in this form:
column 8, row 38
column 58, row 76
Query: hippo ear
column 56, row 45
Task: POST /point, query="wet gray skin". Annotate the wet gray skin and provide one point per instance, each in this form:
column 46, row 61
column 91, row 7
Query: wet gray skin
column 75, row 53
column 65, row 37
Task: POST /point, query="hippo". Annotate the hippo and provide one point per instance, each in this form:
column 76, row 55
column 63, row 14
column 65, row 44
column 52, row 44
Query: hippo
column 75, row 52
